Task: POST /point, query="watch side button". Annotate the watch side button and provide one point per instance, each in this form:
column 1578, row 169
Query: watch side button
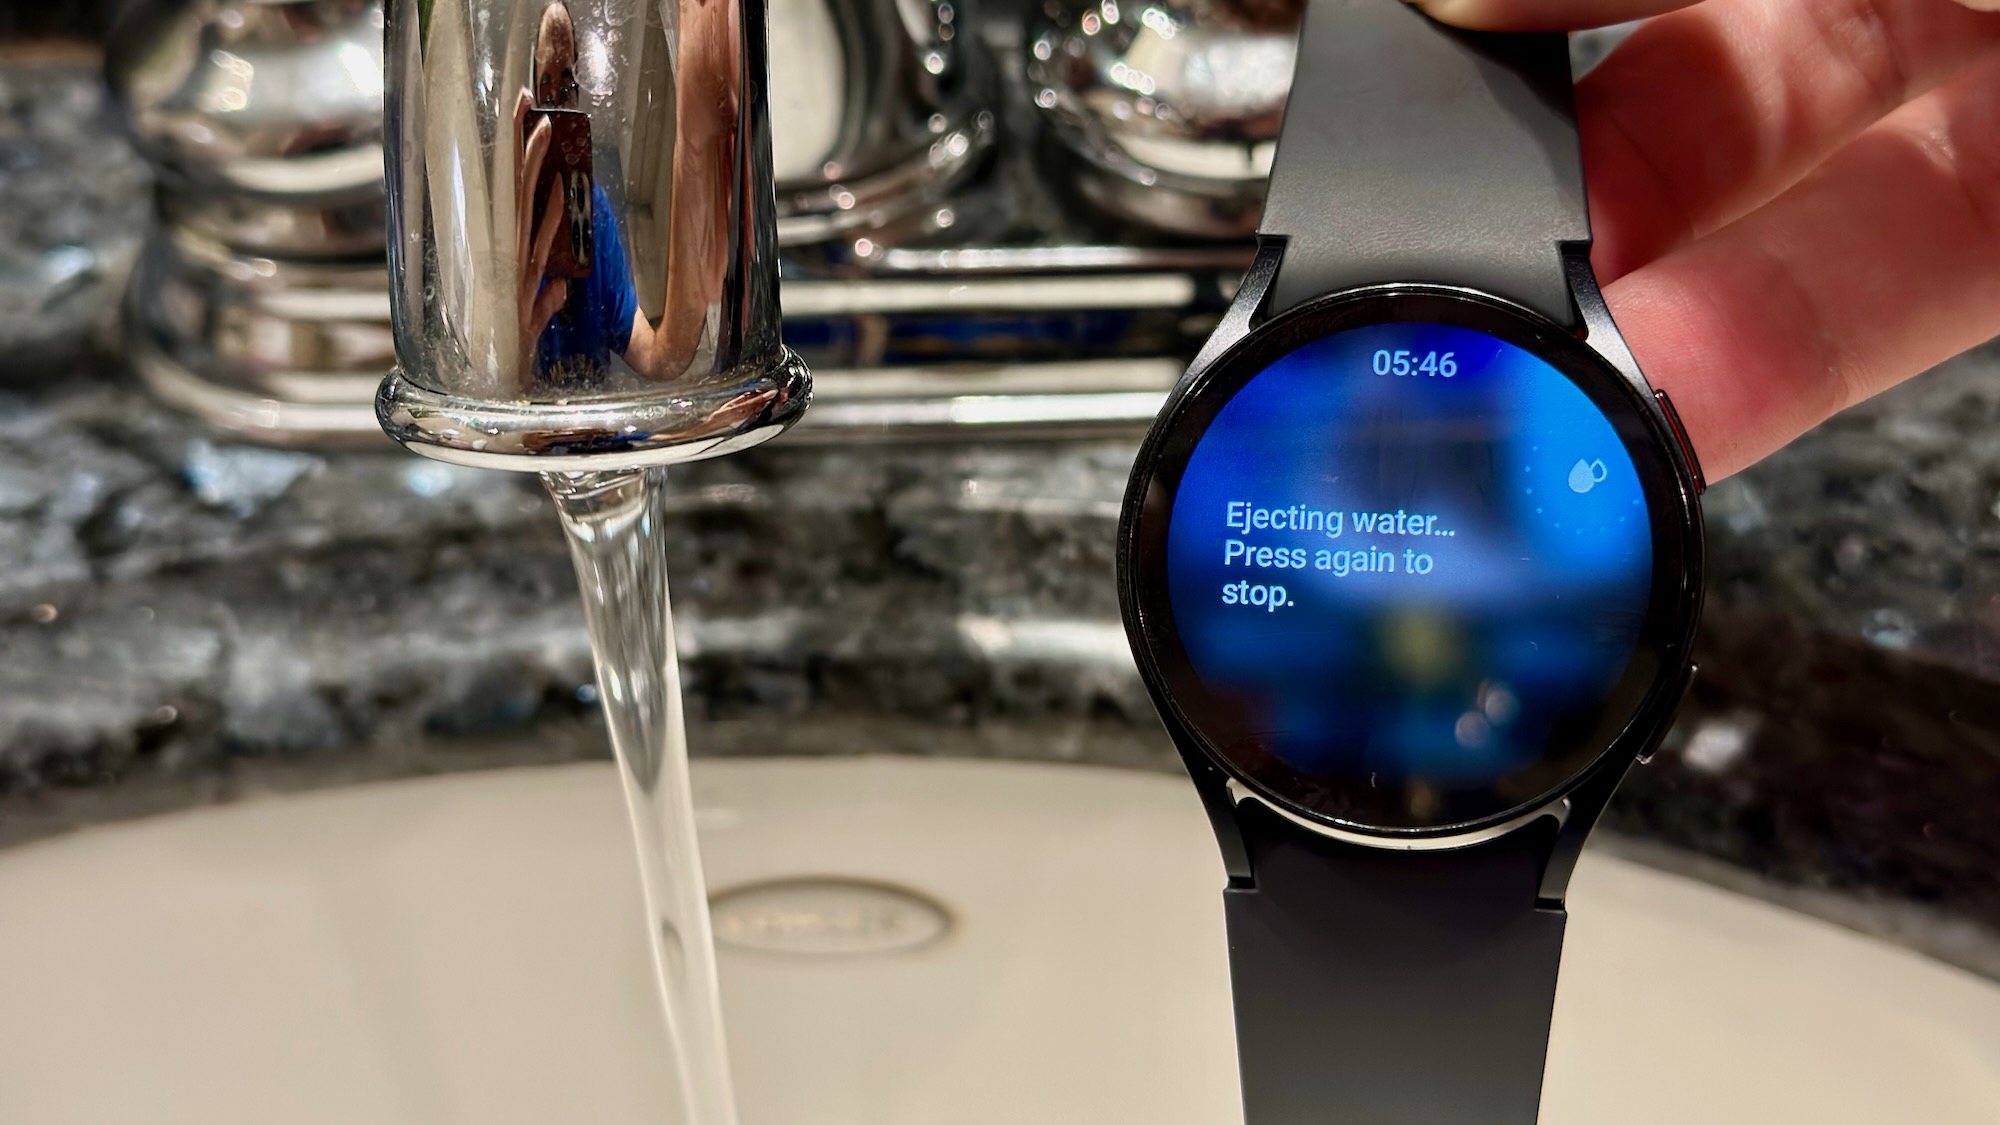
column 1681, row 437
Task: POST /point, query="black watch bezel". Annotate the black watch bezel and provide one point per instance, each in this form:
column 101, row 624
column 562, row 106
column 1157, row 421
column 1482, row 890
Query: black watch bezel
column 1634, row 714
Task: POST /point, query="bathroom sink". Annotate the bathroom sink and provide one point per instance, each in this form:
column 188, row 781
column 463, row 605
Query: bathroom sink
column 906, row 942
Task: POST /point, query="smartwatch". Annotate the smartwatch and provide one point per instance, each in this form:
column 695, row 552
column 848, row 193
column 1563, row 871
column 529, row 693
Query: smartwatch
column 1411, row 563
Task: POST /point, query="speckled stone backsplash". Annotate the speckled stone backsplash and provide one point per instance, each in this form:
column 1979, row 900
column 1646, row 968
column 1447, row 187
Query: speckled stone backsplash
column 184, row 619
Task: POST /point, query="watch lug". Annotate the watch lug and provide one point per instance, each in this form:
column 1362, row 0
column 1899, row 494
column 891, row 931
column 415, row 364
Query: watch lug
column 1601, row 334
column 1245, row 310
column 1586, row 803
column 1213, row 787
column 1599, row 330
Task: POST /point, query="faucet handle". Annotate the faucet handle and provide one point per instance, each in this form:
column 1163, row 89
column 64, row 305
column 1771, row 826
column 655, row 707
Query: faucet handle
column 582, row 239
column 264, row 120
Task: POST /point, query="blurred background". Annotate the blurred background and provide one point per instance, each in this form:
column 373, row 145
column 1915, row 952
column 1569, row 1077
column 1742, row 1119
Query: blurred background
column 218, row 581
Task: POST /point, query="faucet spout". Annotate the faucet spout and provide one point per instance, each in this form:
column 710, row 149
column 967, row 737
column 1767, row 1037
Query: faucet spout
column 582, row 243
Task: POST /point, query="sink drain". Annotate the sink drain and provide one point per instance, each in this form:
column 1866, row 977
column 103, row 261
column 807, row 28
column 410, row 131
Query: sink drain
column 827, row 916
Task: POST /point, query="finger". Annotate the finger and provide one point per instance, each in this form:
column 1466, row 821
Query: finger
column 521, row 134
column 1883, row 263
column 522, row 104
column 1704, row 114
column 535, row 264
column 1544, row 15
column 546, row 237
column 549, row 302
column 533, row 152
column 744, row 406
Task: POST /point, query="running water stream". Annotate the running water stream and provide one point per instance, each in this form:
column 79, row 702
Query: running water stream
column 613, row 522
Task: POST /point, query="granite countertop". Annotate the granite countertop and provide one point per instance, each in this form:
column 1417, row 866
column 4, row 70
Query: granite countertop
column 185, row 620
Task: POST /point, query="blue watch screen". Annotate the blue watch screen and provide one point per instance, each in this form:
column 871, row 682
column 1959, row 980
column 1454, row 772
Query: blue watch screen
column 1410, row 556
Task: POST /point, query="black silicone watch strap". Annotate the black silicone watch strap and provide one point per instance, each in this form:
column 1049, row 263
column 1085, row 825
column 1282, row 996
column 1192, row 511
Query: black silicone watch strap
column 1415, row 152
column 1382, row 987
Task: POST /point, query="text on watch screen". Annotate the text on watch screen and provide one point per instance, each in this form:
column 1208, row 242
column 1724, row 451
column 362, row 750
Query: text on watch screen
column 1408, row 552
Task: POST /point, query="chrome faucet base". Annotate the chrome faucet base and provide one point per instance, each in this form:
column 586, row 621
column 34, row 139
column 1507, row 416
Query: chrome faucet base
column 1161, row 201
column 712, row 417
column 264, row 418
column 260, row 227
column 281, row 352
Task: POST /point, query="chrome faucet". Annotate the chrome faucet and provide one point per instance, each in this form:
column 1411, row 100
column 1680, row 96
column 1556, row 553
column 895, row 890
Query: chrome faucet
column 583, row 238
column 1169, row 113
column 931, row 243
column 262, row 304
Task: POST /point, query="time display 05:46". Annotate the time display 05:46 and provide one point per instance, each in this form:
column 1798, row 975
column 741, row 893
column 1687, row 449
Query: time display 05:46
column 1403, row 361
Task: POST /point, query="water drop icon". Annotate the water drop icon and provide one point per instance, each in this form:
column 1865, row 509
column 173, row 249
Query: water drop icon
column 1586, row 475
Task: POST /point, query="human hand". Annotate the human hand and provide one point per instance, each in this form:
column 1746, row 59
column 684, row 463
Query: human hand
column 538, row 296
column 744, row 407
column 1796, row 203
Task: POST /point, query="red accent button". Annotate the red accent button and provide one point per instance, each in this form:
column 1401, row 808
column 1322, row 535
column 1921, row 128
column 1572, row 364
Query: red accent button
column 1681, row 436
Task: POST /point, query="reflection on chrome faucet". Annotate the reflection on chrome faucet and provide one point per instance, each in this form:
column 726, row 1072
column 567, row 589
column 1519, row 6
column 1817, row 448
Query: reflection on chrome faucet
column 579, row 303
column 706, row 163
column 570, row 232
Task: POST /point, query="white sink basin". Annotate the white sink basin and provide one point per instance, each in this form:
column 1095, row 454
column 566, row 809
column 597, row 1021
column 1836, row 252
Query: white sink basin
column 469, row 950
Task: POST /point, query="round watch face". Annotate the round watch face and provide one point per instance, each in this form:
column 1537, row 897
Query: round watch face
column 1411, row 561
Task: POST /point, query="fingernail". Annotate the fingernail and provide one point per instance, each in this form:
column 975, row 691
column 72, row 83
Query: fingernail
column 1452, row 11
